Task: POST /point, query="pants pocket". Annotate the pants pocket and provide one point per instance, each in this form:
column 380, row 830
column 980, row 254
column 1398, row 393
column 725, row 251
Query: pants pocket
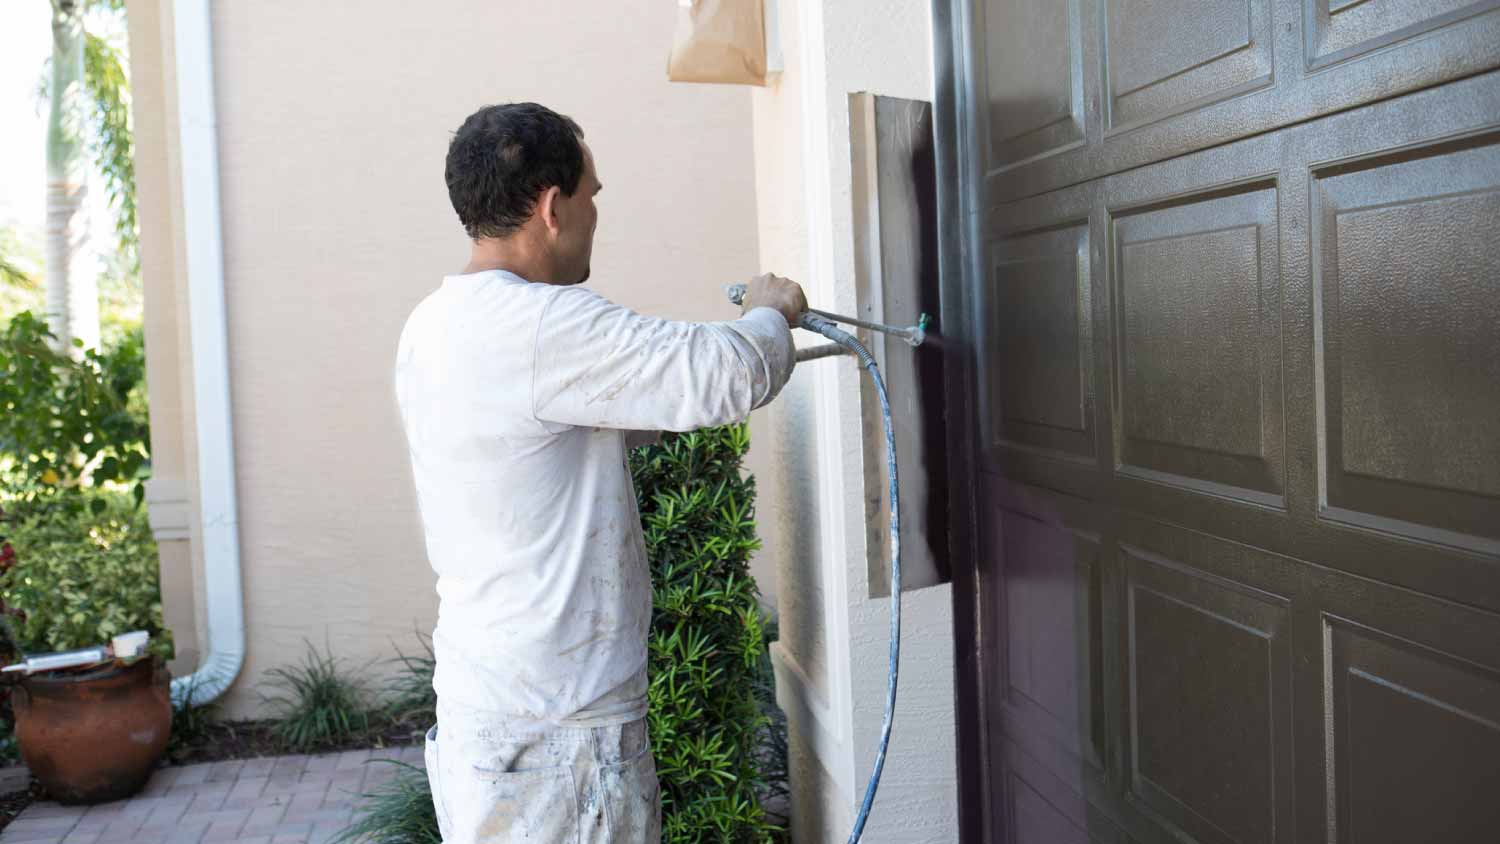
column 538, row 805
column 435, row 783
column 632, row 800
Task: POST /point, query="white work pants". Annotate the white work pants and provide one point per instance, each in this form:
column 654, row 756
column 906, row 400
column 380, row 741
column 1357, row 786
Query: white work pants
column 498, row 781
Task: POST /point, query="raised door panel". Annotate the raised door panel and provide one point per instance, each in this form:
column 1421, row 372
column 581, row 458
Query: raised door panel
column 1406, row 271
column 1164, row 58
column 1034, row 56
column 1040, row 387
column 1415, row 735
column 1208, row 674
column 1340, row 29
column 1198, row 334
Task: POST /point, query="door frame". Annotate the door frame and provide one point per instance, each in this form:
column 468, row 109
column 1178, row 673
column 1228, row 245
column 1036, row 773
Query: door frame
column 958, row 133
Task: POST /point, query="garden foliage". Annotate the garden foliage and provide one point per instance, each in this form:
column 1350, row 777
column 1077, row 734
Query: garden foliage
column 65, row 424
column 75, row 580
column 707, row 642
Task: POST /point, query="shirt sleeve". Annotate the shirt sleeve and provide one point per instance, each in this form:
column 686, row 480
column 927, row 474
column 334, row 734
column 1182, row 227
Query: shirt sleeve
column 601, row 365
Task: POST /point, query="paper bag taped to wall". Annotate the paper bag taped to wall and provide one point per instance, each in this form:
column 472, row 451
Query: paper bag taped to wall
column 719, row 41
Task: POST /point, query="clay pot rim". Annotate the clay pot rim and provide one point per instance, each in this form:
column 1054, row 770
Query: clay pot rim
column 111, row 671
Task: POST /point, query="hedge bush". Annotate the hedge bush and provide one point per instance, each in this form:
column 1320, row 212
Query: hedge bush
column 707, row 643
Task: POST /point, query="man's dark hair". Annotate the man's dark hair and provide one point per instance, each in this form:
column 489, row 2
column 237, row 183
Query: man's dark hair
column 503, row 157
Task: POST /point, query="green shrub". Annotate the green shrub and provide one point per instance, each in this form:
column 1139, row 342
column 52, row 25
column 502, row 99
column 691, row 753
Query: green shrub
column 191, row 725
column 320, row 703
column 410, row 697
column 706, row 639
column 65, row 424
column 396, row 812
column 76, row 580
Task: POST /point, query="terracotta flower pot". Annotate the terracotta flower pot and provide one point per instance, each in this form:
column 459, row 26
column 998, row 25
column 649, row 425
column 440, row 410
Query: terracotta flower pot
column 96, row 736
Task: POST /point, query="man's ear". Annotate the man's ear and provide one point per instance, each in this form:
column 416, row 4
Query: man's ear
column 546, row 209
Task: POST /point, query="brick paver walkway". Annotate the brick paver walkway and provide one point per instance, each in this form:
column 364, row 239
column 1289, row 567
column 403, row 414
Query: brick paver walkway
column 276, row 800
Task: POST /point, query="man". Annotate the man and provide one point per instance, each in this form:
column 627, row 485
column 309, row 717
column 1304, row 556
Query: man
column 519, row 393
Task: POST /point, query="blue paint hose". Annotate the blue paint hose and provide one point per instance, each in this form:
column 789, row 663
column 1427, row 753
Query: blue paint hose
column 822, row 323
column 813, row 322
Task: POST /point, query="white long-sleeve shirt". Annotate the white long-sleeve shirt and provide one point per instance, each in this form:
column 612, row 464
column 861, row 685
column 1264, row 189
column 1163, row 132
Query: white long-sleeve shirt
column 516, row 398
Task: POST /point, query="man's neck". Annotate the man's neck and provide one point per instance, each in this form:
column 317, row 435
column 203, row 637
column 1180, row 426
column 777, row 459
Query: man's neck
column 514, row 255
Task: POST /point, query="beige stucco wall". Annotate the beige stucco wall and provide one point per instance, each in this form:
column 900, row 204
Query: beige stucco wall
column 831, row 660
column 332, row 131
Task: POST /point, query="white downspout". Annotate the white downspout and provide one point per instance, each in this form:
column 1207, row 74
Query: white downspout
column 224, row 600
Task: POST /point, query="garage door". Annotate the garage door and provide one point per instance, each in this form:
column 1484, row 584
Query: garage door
column 1235, row 371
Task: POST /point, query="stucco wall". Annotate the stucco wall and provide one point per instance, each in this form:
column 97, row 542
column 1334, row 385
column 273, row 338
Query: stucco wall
column 831, row 660
column 332, row 132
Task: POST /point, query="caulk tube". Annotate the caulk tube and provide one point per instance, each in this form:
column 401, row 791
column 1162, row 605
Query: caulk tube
column 61, row 659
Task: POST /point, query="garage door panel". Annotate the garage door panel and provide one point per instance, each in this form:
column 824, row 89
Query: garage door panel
column 1340, row 29
column 1035, row 59
column 1197, row 297
column 1406, row 272
column 1411, row 726
column 1047, row 802
column 1052, row 599
column 1219, row 48
column 1209, row 701
column 1041, row 393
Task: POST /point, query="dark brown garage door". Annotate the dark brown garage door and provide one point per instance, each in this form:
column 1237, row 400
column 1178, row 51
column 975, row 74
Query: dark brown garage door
column 1235, row 362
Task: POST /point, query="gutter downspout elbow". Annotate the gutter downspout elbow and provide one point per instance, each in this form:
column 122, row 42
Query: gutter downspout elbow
column 224, row 610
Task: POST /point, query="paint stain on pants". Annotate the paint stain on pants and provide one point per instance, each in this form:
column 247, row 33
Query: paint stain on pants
column 496, row 781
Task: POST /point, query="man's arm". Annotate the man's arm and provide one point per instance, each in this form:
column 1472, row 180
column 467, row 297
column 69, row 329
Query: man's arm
column 602, row 365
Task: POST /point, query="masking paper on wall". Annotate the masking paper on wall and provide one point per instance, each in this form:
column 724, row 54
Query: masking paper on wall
column 719, row 41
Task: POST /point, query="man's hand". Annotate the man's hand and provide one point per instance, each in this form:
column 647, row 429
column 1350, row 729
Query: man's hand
column 773, row 291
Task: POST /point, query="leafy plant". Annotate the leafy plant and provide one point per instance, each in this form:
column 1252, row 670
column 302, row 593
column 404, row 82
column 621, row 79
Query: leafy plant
column 66, row 424
column 397, row 812
column 77, row 581
column 771, row 746
column 18, row 263
column 112, row 142
column 191, row 725
column 320, row 703
column 706, row 642
column 411, row 698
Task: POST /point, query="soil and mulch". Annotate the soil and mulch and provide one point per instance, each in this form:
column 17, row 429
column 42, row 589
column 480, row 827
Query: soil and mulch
column 14, row 803
column 224, row 740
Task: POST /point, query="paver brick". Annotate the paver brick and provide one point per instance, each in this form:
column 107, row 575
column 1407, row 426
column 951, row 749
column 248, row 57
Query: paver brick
column 193, row 774
column 226, row 771
column 258, row 767
column 352, row 759
column 269, row 800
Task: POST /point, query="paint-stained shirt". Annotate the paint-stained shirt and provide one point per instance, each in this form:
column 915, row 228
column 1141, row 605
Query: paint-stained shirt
column 517, row 399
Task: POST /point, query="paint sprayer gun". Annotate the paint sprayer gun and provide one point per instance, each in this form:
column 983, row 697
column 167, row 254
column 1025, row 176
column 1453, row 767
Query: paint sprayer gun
column 822, row 322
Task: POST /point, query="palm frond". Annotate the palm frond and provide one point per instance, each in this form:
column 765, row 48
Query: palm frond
column 113, row 137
